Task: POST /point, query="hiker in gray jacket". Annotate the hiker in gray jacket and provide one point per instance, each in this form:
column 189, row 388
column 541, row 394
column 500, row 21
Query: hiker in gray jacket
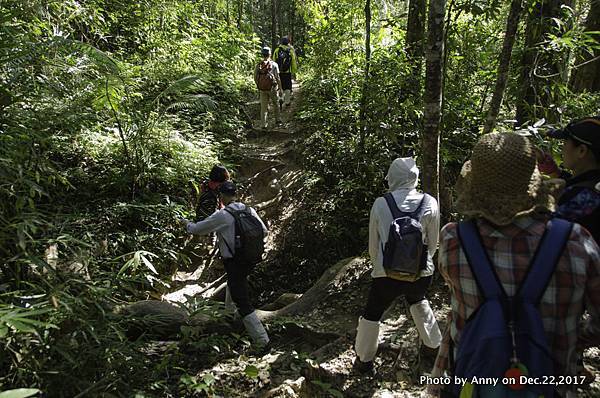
column 223, row 223
column 386, row 286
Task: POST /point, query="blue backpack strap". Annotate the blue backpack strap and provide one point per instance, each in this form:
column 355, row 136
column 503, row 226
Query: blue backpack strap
column 389, row 198
column 546, row 257
column 478, row 260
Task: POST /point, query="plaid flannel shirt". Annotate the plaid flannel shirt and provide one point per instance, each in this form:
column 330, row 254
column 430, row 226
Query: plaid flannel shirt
column 575, row 284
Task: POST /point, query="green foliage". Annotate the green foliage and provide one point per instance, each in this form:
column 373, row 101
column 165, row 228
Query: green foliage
column 110, row 114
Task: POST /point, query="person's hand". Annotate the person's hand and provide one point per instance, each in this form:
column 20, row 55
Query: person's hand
column 546, row 163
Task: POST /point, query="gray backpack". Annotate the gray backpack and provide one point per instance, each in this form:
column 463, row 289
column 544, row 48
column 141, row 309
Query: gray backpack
column 249, row 236
column 404, row 253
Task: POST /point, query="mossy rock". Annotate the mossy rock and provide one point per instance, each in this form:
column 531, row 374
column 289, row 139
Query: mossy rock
column 153, row 319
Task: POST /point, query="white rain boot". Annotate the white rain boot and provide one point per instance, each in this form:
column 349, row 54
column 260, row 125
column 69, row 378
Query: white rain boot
column 255, row 329
column 426, row 324
column 367, row 336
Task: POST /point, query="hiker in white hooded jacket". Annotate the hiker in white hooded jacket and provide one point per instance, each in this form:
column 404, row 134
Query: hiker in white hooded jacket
column 402, row 178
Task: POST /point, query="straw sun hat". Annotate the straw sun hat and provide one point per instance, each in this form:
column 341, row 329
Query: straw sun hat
column 502, row 181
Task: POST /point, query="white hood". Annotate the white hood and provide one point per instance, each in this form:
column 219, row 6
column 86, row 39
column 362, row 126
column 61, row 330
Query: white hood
column 403, row 173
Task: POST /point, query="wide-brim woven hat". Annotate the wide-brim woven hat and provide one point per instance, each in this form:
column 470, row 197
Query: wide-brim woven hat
column 502, row 181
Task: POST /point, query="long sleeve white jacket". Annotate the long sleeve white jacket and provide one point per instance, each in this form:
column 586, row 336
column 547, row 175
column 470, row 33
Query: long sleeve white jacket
column 223, row 224
column 402, row 178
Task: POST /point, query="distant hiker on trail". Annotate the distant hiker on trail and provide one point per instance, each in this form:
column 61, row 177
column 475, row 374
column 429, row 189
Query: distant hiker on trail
column 288, row 65
column 580, row 201
column 209, row 200
column 241, row 234
column 268, row 82
column 403, row 236
column 519, row 279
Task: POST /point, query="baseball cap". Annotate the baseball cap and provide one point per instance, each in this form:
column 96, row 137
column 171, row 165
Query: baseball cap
column 585, row 131
column 265, row 51
column 228, row 188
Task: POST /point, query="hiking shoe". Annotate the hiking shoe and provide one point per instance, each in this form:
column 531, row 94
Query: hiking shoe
column 259, row 350
column 364, row 368
column 427, row 357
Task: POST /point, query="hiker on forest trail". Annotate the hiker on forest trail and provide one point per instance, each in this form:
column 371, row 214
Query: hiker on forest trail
column 285, row 56
column 580, row 201
column 209, row 200
column 241, row 235
column 519, row 279
column 268, row 82
column 403, row 237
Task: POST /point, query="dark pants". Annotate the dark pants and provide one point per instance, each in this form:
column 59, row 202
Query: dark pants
column 237, row 282
column 385, row 290
column 286, row 81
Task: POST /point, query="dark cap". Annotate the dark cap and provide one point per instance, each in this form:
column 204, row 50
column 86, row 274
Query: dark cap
column 585, row 131
column 219, row 173
column 228, row 188
column 265, row 51
column 285, row 41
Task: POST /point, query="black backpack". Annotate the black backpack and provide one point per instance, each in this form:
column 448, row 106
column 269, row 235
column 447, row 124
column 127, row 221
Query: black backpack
column 404, row 253
column 284, row 59
column 249, row 236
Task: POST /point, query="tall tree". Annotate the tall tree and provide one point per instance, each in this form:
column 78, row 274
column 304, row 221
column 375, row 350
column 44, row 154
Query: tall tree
column 240, row 13
column 363, row 99
column 415, row 37
column 273, row 24
column 586, row 77
column 512, row 24
column 434, row 56
column 534, row 96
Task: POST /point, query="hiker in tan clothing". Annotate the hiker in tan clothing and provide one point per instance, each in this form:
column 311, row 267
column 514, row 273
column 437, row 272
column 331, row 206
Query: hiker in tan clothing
column 266, row 77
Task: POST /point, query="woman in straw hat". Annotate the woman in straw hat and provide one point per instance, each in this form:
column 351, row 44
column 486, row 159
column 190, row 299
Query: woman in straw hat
column 501, row 189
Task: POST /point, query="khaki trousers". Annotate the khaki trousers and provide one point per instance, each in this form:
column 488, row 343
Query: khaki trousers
column 265, row 97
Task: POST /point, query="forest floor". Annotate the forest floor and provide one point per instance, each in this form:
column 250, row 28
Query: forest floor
column 312, row 353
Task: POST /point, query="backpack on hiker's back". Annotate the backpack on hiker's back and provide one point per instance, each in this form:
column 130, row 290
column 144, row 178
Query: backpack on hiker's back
column 404, row 253
column 284, row 59
column 505, row 339
column 266, row 77
column 249, row 236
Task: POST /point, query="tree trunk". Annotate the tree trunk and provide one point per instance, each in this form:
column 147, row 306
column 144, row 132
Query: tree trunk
column 164, row 320
column 430, row 139
column 587, row 76
column 363, row 99
column 273, row 24
column 534, row 97
column 240, row 13
column 512, row 24
column 415, row 37
column 279, row 21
